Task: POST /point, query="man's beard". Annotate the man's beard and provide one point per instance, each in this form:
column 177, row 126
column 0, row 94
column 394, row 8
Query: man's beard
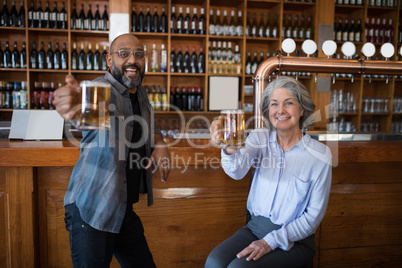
column 123, row 80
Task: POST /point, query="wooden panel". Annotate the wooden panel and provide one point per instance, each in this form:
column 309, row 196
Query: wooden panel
column 365, row 257
column 3, row 229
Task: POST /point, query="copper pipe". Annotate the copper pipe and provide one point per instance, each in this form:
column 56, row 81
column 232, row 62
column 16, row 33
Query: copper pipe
column 316, row 65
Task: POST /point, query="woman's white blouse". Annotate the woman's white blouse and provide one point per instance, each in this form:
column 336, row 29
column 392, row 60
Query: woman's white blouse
column 291, row 188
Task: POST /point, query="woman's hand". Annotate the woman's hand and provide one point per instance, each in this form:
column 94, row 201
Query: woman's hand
column 67, row 97
column 215, row 132
column 255, row 250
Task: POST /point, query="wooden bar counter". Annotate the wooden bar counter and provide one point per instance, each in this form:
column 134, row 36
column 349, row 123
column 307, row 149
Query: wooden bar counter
column 200, row 206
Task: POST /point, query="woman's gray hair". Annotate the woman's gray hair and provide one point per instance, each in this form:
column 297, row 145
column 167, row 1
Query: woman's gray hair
column 297, row 90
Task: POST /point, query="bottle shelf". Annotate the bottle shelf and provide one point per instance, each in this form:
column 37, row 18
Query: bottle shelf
column 48, row 30
column 150, row 34
column 232, row 75
column 47, row 71
column 13, row 69
column 91, row 32
column 376, row 114
column 226, row 37
column 7, row 28
column 87, row 72
column 186, row 74
column 254, row 38
column 156, row 73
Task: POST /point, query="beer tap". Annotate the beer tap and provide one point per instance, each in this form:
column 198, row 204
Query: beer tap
column 329, row 48
column 348, row 49
column 387, row 51
column 297, row 55
column 309, row 47
column 368, row 51
column 288, row 46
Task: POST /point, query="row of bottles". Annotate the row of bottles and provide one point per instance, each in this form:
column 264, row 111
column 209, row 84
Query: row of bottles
column 89, row 21
column 224, row 27
column 252, row 64
column 157, row 97
column 350, row 2
column 148, row 23
column 12, row 18
column 348, row 31
column 396, row 125
column 157, row 61
column 222, row 59
column 302, row 29
column 186, row 99
column 39, row 18
column 370, row 3
column 186, row 63
column 268, row 29
column 13, row 59
column 377, row 32
column 342, row 101
column 42, row 95
column 88, row 60
column 50, row 59
column 13, row 95
column 187, row 25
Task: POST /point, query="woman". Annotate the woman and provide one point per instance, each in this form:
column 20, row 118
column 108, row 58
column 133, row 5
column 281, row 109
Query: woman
column 290, row 190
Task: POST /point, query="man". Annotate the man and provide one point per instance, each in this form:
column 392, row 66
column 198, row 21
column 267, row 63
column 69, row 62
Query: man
column 110, row 172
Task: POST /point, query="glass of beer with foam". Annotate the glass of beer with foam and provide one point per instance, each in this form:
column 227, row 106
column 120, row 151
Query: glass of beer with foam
column 232, row 128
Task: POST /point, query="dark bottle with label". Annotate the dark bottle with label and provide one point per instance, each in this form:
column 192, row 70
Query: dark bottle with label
column 62, row 21
column 104, row 61
column 7, row 57
column 163, row 25
column 39, row 16
column 21, row 15
column 34, row 56
column 105, row 19
column 97, row 19
column 148, row 21
column 186, row 61
column 173, row 61
column 184, row 99
column 46, row 16
column 133, row 20
column 42, row 57
column 57, row 58
column 155, row 21
column 53, row 17
column 50, row 56
column 358, row 32
column 90, row 58
column 74, row 57
column 97, row 59
column 15, row 57
column 1, row 60
column 201, row 23
column 194, row 62
column 180, row 21
column 254, row 26
column 5, row 15
column 177, row 100
column 179, row 61
column 31, row 16
column 172, row 96
column 199, row 100
column 173, row 22
column 248, row 63
column 13, row 15
column 23, row 56
column 81, row 58
column 201, row 61
column 141, row 21
column 74, row 18
column 88, row 19
column 64, row 58
column 81, row 19
column 191, row 99
column 194, row 22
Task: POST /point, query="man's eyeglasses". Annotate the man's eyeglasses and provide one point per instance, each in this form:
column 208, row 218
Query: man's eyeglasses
column 124, row 54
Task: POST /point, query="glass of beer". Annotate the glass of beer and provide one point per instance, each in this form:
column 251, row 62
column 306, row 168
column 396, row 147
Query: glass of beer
column 232, row 132
column 93, row 112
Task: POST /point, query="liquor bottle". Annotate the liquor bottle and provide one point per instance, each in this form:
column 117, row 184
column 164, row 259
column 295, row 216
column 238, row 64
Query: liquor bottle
column 88, row 19
column 289, row 28
column 49, row 56
column 381, row 31
column 239, row 26
column 225, row 24
column 31, row 15
column 184, row 100
column 275, row 27
column 179, row 61
column 173, row 28
column 358, row 31
column 163, row 25
column 155, row 20
column 199, row 100
column 180, row 21
column 97, row 21
column 5, row 15
column 254, row 26
column 224, row 53
column 105, row 19
column 268, row 26
column 193, row 63
column 219, row 51
column 261, row 27
column 218, row 23
column 21, row 15
column 39, row 16
column 146, row 59
column 81, row 58
column 133, row 20
column 141, row 21
column 186, row 61
column 211, row 22
column 64, row 58
column 237, row 60
column 254, row 65
column 296, row 28
column 148, row 21
column 97, row 59
column 201, row 23
column 191, row 99
column 53, row 17
column 7, row 56
column 172, row 96
column 34, row 57
column 248, row 63
column 90, row 58
column 177, row 98
column 1, row 64
column 309, row 29
column 261, row 57
column 23, row 95
column 201, row 61
column 46, row 16
column 351, row 35
column 248, row 25
column 154, row 59
column 194, row 22
column 104, row 61
column 377, row 31
column 371, row 28
column 82, row 19
column 74, row 18
column 173, row 61
column 389, row 32
column 42, row 57
column 163, row 100
column 57, row 57
column 74, row 57
column 15, row 57
column 232, row 24
column 13, row 15
column 339, row 30
column 187, row 21
column 62, row 20
column 23, row 56
column 163, row 63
